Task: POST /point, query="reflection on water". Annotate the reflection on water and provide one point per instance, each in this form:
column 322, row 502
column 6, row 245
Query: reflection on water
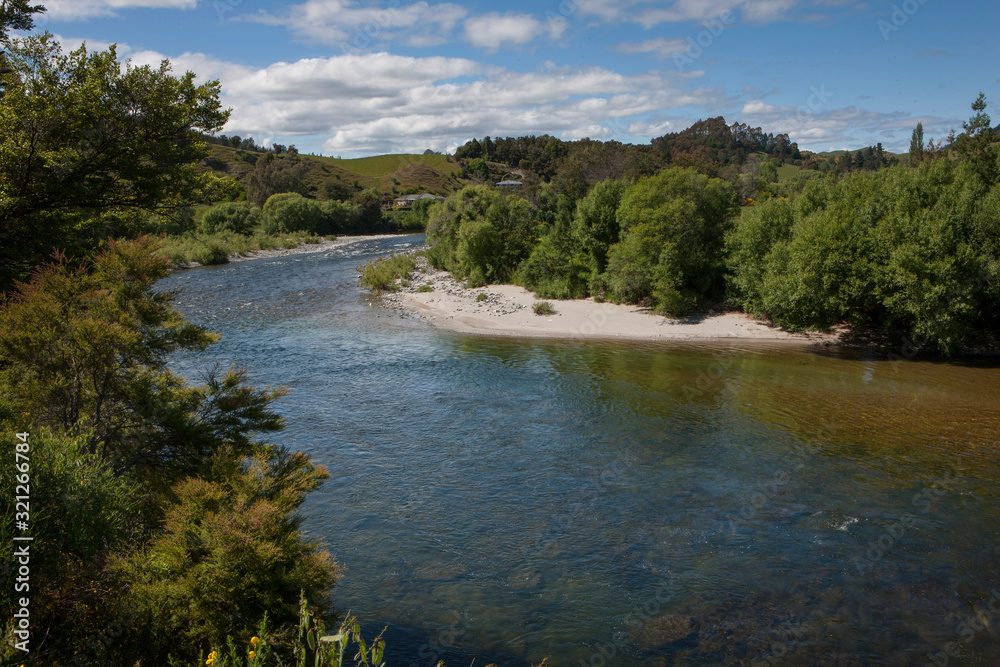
column 624, row 504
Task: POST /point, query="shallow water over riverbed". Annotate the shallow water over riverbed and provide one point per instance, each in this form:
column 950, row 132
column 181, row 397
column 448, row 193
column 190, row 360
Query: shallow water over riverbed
column 624, row 504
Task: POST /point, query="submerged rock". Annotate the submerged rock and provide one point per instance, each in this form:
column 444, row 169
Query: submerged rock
column 661, row 631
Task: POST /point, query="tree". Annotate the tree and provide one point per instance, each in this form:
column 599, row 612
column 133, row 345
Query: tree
column 276, row 175
column 155, row 496
column 673, row 225
column 975, row 144
column 291, row 212
column 482, row 233
column 596, row 221
column 230, row 551
column 81, row 136
column 368, row 212
column 16, row 15
column 917, row 145
column 240, row 217
column 85, row 348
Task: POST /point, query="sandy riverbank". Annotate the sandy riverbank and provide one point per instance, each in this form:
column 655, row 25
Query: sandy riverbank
column 507, row 310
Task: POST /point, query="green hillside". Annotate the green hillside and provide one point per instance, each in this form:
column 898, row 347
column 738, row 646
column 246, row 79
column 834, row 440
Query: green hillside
column 391, row 175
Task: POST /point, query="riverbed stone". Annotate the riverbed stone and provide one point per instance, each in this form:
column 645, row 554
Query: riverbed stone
column 662, row 631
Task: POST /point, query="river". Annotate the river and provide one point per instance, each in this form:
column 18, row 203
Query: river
column 608, row 503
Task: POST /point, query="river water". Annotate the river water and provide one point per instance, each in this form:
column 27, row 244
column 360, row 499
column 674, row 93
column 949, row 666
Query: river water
column 608, row 503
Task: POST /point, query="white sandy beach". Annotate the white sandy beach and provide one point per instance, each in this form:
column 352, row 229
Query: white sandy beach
column 507, row 311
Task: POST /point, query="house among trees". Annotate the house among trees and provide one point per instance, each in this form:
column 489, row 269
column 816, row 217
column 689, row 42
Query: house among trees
column 509, row 184
column 410, row 200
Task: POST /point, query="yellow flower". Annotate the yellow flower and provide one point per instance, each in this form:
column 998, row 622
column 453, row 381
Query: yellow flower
column 253, row 654
column 255, row 640
column 211, row 658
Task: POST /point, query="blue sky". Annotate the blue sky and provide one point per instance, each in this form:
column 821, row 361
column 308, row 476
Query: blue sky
column 360, row 77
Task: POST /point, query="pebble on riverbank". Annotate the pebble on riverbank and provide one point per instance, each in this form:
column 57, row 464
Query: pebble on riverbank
column 442, row 282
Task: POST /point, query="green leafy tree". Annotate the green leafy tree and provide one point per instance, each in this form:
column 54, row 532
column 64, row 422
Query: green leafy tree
column 481, row 233
column 368, row 212
column 81, row 511
column 673, row 225
column 81, row 136
column 84, row 349
column 976, row 144
column 240, row 217
column 478, row 170
column 16, row 15
column 905, row 253
column 291, row 212
column 276, row 175
column 338, row 218
column 750, row 243
column 229, row 552
column 596, row 221
column 127, row 451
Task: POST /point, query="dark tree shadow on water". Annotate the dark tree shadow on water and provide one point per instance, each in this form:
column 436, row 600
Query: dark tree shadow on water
column 410, row 647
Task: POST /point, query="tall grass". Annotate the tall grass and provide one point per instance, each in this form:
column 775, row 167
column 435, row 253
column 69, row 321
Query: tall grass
column 313, row 647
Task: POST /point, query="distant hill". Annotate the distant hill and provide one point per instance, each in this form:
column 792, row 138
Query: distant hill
column 333, row 178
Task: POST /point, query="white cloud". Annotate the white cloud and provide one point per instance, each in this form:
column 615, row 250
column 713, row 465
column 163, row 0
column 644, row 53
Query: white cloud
column 493, row 30
column 75, row 10
column 352, row 26
column 381, row 103
column 70, row 44
column 757, row 106
column 649, row 13
column 848, row 126
column 661, row 46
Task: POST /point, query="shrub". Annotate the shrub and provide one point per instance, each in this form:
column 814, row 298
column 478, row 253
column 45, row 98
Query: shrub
column 481, row 297
column 543, row 308
column 425, row 288
column 211, row 253
column 291, row 212
column 480, row 234
column 337, row 218
column 81, row 510
column 380, row 275
column 224, row 540
column 239, row 217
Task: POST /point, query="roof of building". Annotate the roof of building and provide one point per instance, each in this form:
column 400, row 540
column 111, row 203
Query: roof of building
column 508, row 183
column 424, row 195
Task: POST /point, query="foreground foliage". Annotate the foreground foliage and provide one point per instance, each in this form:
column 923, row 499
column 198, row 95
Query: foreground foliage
column 160, row 511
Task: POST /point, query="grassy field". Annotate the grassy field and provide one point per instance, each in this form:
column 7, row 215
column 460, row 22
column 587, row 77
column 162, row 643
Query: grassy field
column 787, row 171
column 384, row 165
column 389, row 174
